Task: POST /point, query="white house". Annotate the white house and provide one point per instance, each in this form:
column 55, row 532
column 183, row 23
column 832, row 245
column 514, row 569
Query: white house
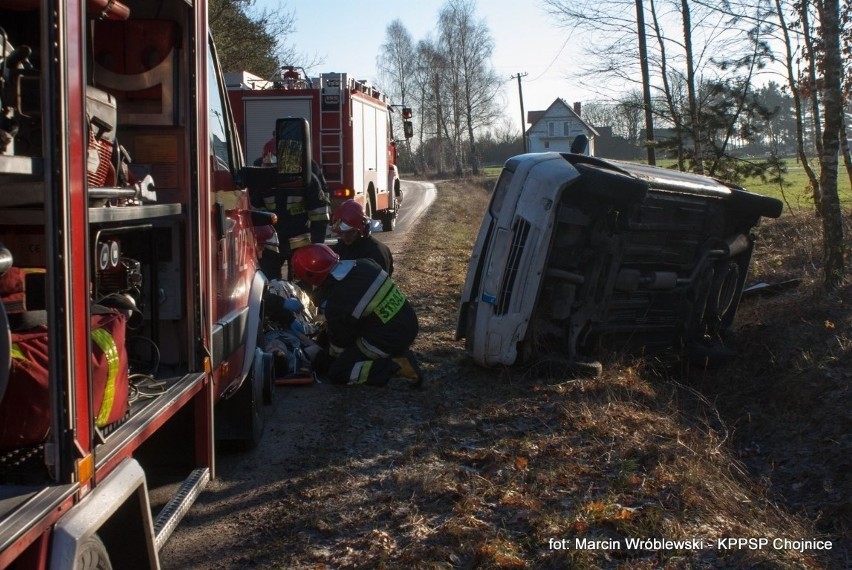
column 554, row 129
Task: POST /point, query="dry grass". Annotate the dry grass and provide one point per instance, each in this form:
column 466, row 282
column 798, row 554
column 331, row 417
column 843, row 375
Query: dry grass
column 483, row 468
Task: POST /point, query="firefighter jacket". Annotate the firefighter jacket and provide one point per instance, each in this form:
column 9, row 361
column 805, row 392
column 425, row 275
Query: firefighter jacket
column 369, row 247
column 303, row 212
column 363, row 308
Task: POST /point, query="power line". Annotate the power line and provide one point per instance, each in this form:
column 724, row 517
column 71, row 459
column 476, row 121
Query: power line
column 546, row 69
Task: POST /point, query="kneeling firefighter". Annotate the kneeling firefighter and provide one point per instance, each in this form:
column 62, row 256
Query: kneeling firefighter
column 370, row 323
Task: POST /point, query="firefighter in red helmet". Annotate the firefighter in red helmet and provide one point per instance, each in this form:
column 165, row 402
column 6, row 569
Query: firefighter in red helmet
column 370, row 323
column 352, row 226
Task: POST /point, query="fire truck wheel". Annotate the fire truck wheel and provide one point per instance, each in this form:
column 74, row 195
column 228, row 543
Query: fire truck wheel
column 253, row 409
column 5, row 351
column 93, row 555
column 267, row 371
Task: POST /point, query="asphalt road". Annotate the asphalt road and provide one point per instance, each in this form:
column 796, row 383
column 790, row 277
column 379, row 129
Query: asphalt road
column 416, row 199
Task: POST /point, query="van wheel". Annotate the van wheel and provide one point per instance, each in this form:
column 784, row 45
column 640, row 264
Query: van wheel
column 93, row 555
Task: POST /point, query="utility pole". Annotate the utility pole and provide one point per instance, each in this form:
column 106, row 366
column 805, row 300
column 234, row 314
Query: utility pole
column 646, row 84
column 523, row 120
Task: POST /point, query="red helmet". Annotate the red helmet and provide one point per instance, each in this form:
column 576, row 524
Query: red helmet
column 312, row 263
column 350, row 216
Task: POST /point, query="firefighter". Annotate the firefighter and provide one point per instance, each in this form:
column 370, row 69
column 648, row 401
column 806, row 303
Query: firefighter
column 268, row 154
column 317, row 170
column 303, row 214
column 369, row 323
column 350, row 223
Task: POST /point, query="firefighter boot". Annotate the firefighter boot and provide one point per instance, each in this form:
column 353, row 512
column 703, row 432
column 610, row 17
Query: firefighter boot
column 409, row 368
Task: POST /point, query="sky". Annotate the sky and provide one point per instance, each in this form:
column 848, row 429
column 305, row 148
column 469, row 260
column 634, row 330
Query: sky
column 348, row 34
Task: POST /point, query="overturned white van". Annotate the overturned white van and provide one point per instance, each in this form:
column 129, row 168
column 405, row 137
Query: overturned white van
column 577, row 253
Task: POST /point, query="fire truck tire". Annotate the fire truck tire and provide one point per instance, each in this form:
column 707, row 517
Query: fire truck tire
column 93, row 555
column 5, row 351
column 253, row 410
column 266, row 368
column 240, row 418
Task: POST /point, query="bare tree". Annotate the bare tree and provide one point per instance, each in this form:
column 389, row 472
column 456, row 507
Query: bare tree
column 846, row 40
column 467, row 43
column 428, row 88
column 808, row 84
column 797, row 100
column 481, row 85
column 396, row 63
column 680, row 56
column 452, row 101
column 695, row 124
column 625, row 115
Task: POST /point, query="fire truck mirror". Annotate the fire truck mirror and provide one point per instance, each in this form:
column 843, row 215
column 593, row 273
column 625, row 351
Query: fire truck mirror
column 408, row 129
column 293, row 141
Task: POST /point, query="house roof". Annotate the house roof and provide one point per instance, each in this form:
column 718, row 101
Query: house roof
column 534, row 117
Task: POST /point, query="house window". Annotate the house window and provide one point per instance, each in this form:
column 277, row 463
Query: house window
column 551, row 129
column 546, row 144
column 566, row 128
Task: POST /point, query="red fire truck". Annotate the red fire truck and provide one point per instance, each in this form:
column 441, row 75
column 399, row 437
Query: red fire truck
column 352, row 132
column 132, row 300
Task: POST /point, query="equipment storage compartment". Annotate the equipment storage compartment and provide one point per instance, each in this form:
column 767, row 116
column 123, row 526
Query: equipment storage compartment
column 20, row 99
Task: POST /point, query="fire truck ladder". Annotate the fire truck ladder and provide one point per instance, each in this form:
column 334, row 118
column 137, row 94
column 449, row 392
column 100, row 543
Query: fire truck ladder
column 332, row 89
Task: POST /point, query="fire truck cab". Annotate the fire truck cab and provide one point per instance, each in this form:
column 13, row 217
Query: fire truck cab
column 132, row 299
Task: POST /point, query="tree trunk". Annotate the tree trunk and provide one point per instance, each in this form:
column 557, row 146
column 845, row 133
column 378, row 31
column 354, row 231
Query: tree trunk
column 814, row 95
column 797, row 102
column 844, row 147
column 646, row 84
column 832, row 216
column 695, row 129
